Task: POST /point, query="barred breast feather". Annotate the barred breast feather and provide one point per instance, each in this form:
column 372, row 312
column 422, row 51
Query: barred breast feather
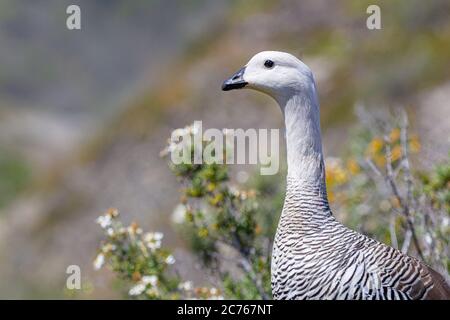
column 316, row 257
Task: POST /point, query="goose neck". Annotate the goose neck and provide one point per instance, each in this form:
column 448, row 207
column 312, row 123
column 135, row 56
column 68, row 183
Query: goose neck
column 303, row 138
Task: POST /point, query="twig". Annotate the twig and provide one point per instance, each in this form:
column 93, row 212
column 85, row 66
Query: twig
column 403, row 205
column 394, row 241
column 245, row 263
column 406, row 241
column 374, row 167
column 405, row 160
column 246, row 266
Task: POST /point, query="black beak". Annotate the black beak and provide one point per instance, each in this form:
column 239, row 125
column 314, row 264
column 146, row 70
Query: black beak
column 235, row 82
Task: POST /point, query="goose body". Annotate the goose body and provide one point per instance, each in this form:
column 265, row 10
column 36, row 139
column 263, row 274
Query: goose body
column 314, row 256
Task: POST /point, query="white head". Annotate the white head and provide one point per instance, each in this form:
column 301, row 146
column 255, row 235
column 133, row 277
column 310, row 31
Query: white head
column 275, row 73
column 290, row 82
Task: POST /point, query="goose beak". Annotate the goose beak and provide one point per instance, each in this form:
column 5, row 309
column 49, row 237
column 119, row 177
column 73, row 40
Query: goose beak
column 235, row 82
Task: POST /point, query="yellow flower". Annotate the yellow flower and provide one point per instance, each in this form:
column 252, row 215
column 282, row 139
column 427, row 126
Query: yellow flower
column 218, row 198
column 396, row 153
column 329, row 178
column 394, row 135
column 335, row 173
column 414, row 144
column 341, row 176
column 375, row 146
column 203, row 232
column 331, row 196
column 380, row 160
column 353, row 166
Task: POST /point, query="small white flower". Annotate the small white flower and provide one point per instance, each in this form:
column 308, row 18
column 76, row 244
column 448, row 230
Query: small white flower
column 235, row 191
column 179, row 214
column 133, row 230
column 137, row 289
column 110, row 232
column 158, row 236
column 153, row 240
column 180, row 132
column 152, row 280
column 153, row 236
column 154, row 245
column 99, row 261
column 153, row 291
column 170, row 259
column 213, row 291
column 108, row 247
column 104, row 221
column 187, row 286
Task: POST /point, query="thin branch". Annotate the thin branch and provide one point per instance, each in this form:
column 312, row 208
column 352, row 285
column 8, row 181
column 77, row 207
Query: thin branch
column 406, row 241
column 374, row 167
column 405, row 160
column 392, row 232
column 403, row 205
column 246, row 265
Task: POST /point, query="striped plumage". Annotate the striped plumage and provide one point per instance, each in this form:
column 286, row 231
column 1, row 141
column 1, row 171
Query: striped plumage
column 314, row 256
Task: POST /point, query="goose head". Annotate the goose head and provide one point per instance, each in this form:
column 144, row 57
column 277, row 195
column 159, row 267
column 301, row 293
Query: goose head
column 290, row 82
column 278, row 74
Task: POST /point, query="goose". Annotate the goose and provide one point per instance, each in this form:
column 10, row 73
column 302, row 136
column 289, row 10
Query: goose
column 314, row 256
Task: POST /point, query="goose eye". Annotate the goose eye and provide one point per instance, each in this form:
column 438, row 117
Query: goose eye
column 268, row 64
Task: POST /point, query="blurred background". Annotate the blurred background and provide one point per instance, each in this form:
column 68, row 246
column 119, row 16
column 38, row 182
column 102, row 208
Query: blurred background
column 84, row 114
